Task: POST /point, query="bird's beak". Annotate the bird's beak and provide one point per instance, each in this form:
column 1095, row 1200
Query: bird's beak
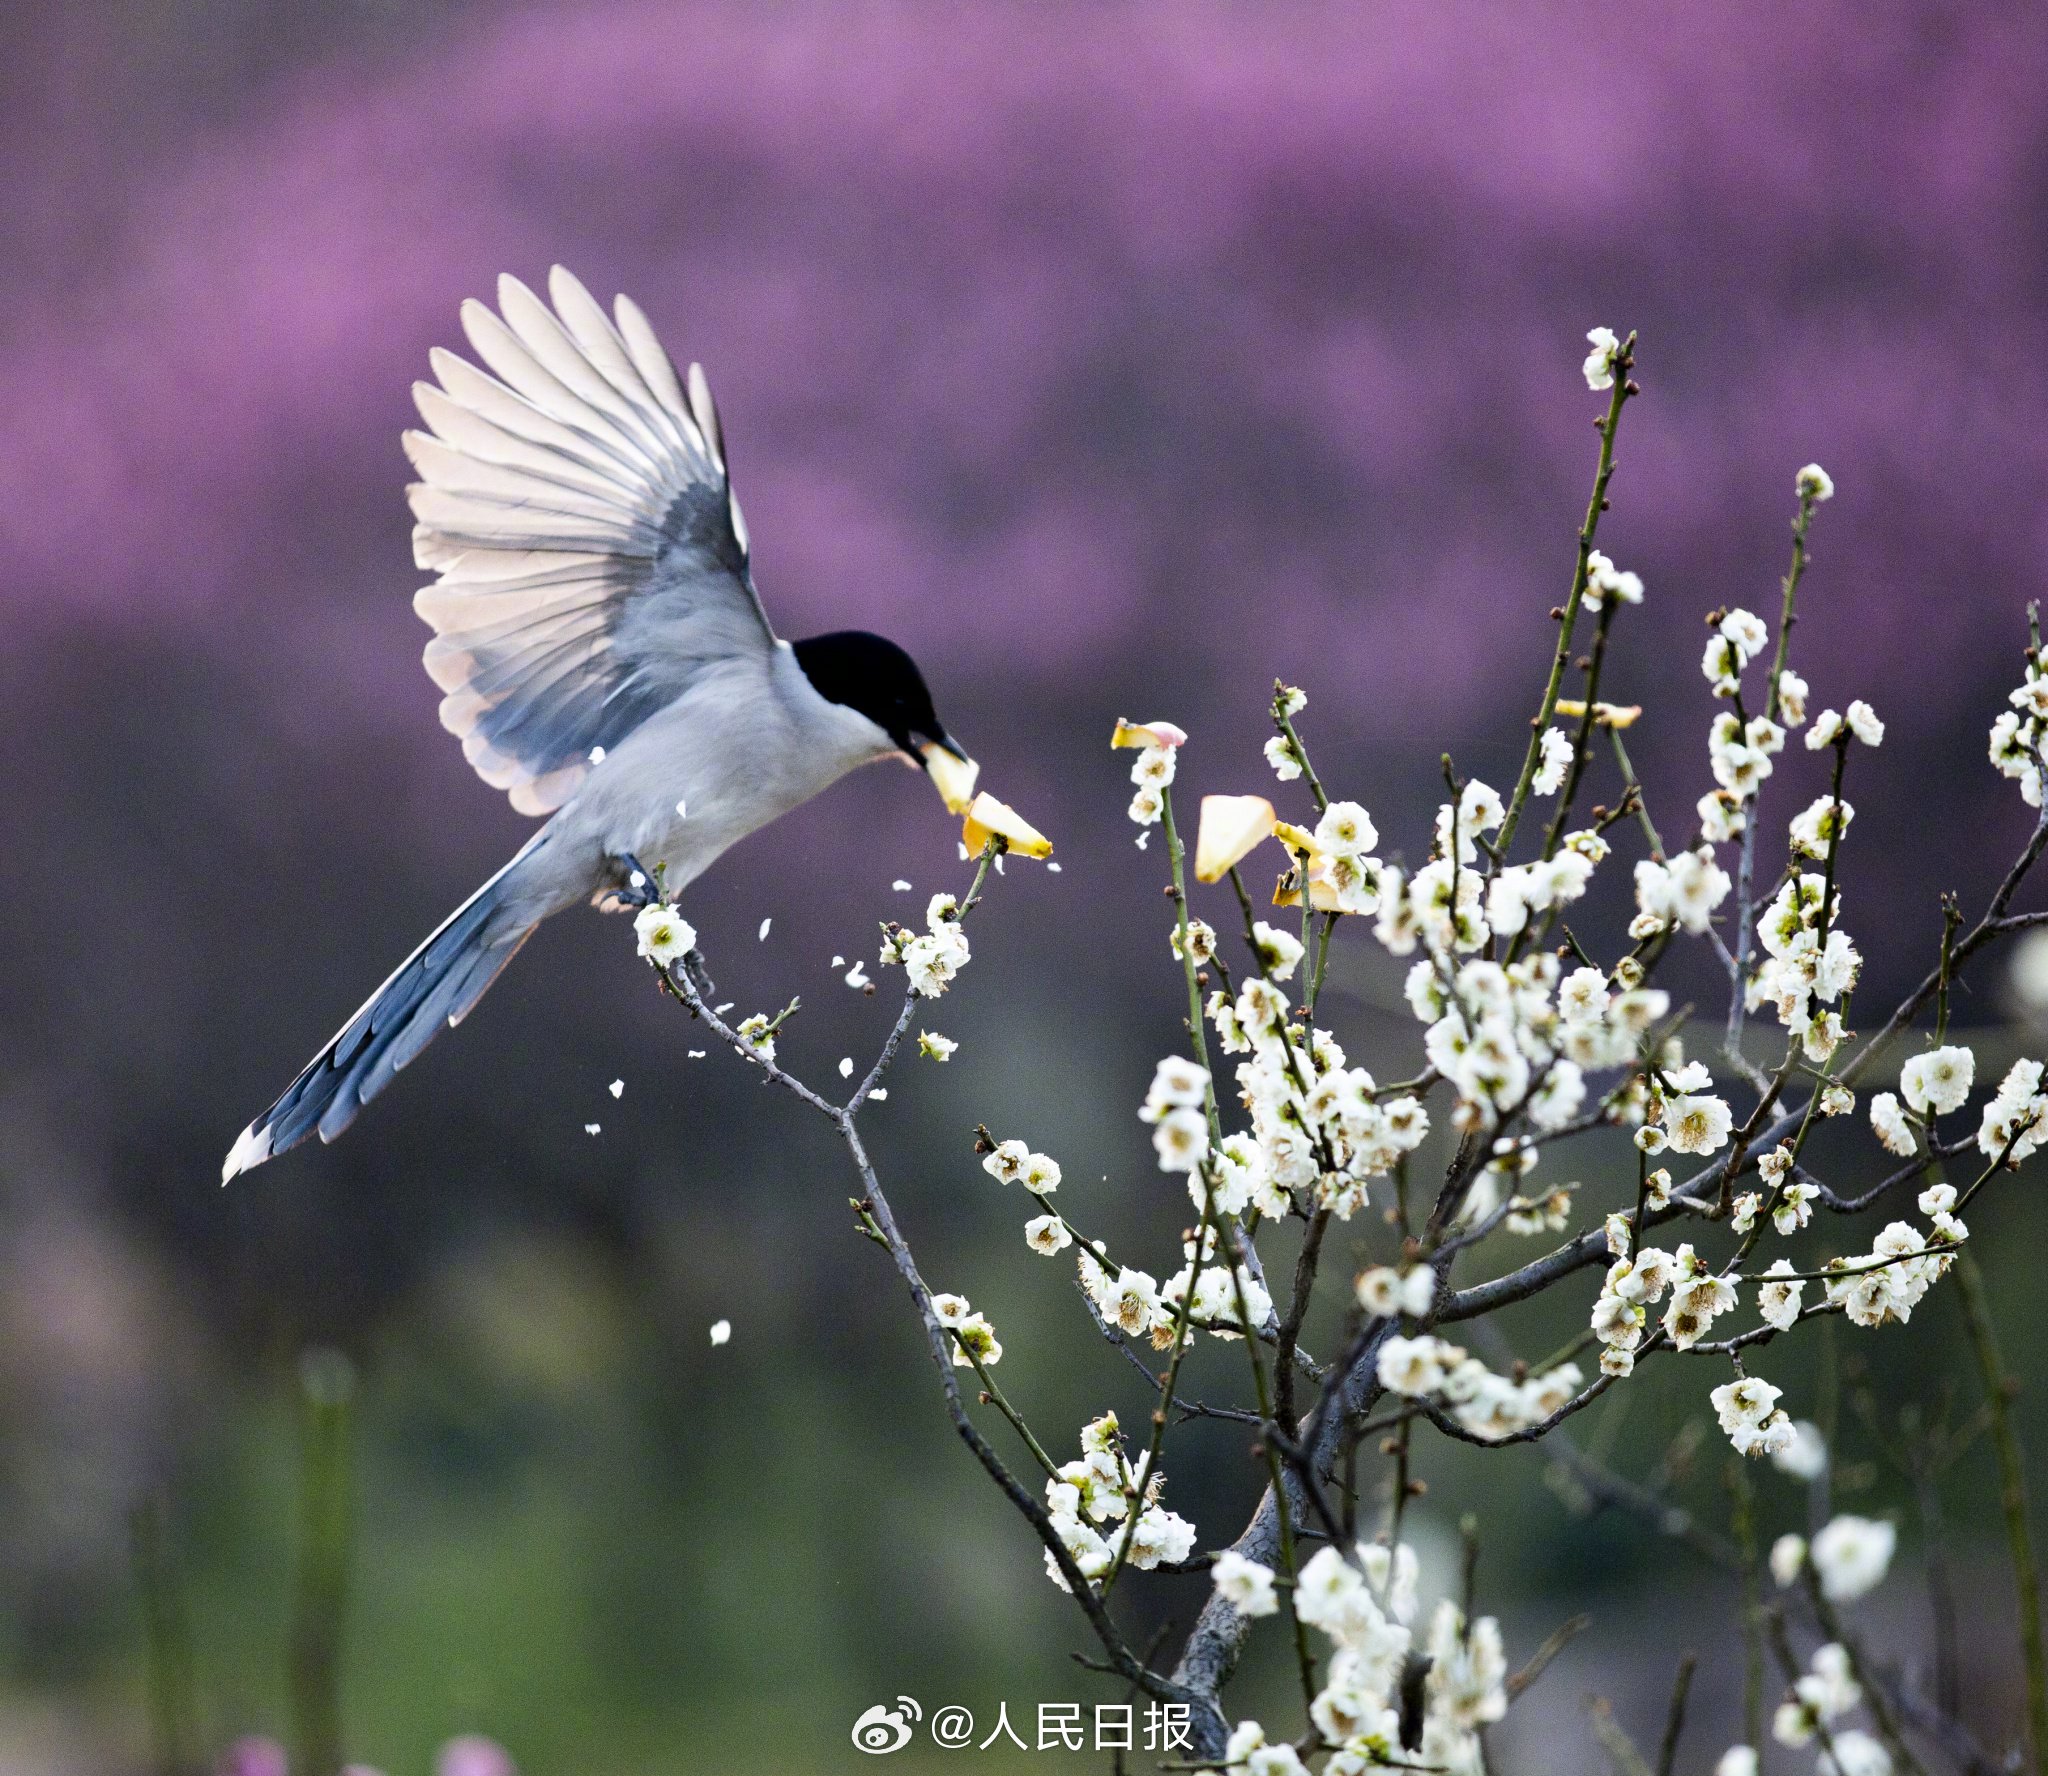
column 952, row 773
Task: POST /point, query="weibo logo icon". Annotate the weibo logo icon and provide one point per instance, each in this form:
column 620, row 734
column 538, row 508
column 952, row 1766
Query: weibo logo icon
column 883, row 1729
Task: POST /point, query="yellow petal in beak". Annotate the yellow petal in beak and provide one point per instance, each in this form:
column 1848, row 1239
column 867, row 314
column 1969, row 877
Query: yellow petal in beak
column 989, row 819
column 1299, row 842
column 1231, row 827
column 1607, row 715
column 1322, row 893
column 1130, row 733
column 952, row 777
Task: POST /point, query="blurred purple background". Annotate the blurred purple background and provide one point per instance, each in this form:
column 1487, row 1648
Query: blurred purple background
column 1114, row 358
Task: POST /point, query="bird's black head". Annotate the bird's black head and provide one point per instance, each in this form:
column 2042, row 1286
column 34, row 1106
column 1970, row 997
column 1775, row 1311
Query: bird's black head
column 879, row 680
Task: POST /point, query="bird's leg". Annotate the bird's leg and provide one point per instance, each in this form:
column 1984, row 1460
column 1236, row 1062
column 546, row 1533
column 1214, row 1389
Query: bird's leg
column 636, row 887
column 693, row 966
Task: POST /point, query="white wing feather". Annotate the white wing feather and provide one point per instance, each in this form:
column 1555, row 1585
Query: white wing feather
column 574, row 502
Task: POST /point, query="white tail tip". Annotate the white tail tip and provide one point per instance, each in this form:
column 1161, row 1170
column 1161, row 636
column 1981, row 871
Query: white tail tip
column 251, row 1149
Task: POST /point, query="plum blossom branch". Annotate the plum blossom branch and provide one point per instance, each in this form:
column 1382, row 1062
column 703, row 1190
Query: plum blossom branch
column 1622, row 367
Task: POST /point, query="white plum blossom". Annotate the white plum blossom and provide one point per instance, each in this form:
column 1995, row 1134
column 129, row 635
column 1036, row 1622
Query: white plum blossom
column 1852, row 1555
column 1246, row 1585
column 1819, row 828
column 1745, row 631
column 1129, row 1301
column 1040, row 1175
column 1814, row 483
column 1200, row 942
column 1748, row 1410
column 1696, row 886
column 758, row 1034
column 1279, row 952
column 1697, row 1124
column 1384, row 1291
column 1104, row 1488
column 1394, row 1575
column 1938, row 1081
column 1740, row 756
column 975, row 1340
column 1805, row 1457
column 1855, row 1753
column 1479, row 810
column 2015, row 1121
column 1787, row 1559
column 1180, row 1138
column 1890, row 1124
column 1582, row 996
column 1047, row 1234
column 1154, row 766
column 1556, row 1099
column 1721, row 816
column 1556, row 756
column 1346, row 826
column 1465, row 1687
column 1599, row 364
column 2026, row 971
column 1005, row 1163
column 2017, row 734
column 1415, row 1366
column 1721, row 665
column 1863, row 723
column 1777, row 1297
column 1698, row 1298
column 931, row 958
column 1177, row 1083
column 1825, row 1692
column 1795, row 1207
column 662, row 935
column 1281, row 757
column 1604, row 581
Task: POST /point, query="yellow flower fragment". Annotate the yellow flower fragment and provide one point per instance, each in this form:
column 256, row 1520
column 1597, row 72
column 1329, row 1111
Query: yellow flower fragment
column 989, row 819
column 1231, row 827
column 1155, row 733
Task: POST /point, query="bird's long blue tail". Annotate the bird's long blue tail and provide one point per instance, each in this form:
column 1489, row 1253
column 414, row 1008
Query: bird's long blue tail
column 431, row 989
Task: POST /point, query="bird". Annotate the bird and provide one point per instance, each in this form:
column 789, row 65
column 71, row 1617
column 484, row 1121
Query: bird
column 604, row 659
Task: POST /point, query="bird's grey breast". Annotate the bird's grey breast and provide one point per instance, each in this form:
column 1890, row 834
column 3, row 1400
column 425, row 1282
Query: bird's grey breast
column 747, row 741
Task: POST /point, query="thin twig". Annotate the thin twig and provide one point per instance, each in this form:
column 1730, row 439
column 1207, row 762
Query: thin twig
column 1999, row 1388
column 1554, row 1643
column 1568, row 614
column 1674, row 1717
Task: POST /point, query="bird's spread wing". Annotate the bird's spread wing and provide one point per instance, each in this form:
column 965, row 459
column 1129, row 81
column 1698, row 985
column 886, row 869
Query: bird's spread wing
column 574, row 500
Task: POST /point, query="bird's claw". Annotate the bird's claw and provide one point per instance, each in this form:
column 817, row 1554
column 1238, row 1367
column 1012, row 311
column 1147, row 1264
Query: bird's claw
column 636, row 888
column 693, row 967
